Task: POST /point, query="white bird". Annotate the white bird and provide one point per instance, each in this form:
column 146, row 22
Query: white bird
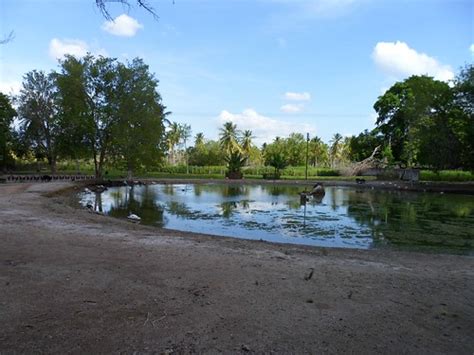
column 133, row 217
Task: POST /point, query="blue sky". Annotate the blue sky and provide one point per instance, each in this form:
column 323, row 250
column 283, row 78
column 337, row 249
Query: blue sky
column 271, row 66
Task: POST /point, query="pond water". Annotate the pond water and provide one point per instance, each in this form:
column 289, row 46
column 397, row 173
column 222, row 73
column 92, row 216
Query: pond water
column 345, row 217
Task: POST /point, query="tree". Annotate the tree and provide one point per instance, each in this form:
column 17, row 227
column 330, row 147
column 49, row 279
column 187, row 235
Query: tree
column 246, row 142
column 139, row 132
column 199, row 140
column 464, row 106
column 102, row 5
column 185, row 135
column 275, row 156
column 318, row 152
column 173, row 136
column 295, row 149
column 405, row 108
column 229, row 138
column 210, row 153
column 77, row 126
column 7, row 113
column 335, row 150
column 362, row 146
column 235, row 162
column 115, row 108
column 38, row 111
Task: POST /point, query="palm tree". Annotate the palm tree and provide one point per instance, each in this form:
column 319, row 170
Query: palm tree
column 228, row 140
column 335, row 149
column 199, row 140
column 173, row 138
column 185, row 134
column 246, row 143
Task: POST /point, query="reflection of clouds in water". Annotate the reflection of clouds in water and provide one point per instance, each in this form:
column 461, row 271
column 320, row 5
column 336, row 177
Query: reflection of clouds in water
column 344, row 217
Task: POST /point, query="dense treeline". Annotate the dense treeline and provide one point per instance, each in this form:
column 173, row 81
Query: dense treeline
column 111, row 113
column 92, row 108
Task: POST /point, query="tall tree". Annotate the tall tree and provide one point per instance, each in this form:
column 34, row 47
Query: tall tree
column 335, row 150
column 229, row 138
column 246, row 144
column 115, row 107
column 464, row 124
column 405, row 108
column 318, row 152
column 139, row 132
column 199, row 140
column 38, row 111
column 185, row 133
column 7, row 113
column 173, row 138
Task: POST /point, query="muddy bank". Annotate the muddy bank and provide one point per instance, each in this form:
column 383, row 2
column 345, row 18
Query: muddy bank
column 73, row 281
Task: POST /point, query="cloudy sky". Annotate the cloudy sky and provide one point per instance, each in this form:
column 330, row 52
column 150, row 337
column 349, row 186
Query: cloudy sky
column 271, row 66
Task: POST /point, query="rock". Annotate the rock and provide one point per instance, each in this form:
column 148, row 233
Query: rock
column 245, row 348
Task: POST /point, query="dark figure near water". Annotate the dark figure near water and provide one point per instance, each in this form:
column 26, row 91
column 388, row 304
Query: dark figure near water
column 317, row 194
column 360, row 181
column 318, row 190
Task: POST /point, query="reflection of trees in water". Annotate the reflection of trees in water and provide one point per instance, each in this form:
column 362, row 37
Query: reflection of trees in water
column 168, row 189
column 413, row 219
column 277, row 190
column 142, row 202
column 228, row 208
column 198, row 190
column 235, row 190
column 179, row 209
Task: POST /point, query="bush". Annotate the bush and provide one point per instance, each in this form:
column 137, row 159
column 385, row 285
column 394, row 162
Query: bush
column 446, row 175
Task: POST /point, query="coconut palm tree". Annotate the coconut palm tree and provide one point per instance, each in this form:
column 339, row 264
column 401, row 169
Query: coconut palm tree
column 229, row 140
column 185, row 134
column 335, row 149
column 199, row 140
column 246, row 142
column 173, row 138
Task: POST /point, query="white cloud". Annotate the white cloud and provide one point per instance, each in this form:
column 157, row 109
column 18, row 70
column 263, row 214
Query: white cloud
column 471, row 48
column 291, row 108
column 58, row 48
column 265, row 129
column 399, row 60
column 122, row 25
column 298, row 96
column 10, row 87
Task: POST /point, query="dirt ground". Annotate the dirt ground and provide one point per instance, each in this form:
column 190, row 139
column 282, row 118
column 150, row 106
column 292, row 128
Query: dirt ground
column 76, row 282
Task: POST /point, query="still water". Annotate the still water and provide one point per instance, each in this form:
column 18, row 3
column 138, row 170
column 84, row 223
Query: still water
column 345, row 217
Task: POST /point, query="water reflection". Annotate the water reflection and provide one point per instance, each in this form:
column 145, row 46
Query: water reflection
column 343, row 217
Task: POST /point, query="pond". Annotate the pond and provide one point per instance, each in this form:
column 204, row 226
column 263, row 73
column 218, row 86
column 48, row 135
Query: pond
column 344, row 217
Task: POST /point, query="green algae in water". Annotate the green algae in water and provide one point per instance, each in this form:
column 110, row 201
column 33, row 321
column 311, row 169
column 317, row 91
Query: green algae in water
column 343, row 218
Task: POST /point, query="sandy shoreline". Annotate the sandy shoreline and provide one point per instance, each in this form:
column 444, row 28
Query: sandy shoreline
column 73, row 281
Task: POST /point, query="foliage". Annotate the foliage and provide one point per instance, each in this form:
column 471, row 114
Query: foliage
column 7, row 113
column 428, row 123
column 113, row 111
column 362, row 146
column 39, row 114
column 235, row 162
column 229, row 138
column 446, row 175
column 206, row 153
column 139, row 129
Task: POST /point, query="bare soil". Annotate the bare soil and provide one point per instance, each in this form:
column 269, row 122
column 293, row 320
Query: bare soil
column 76, row 282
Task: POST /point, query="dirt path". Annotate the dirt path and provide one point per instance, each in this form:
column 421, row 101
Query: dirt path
column 76, row 282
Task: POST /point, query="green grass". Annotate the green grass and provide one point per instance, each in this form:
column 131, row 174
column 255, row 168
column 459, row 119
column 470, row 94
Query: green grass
column 447, row 175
